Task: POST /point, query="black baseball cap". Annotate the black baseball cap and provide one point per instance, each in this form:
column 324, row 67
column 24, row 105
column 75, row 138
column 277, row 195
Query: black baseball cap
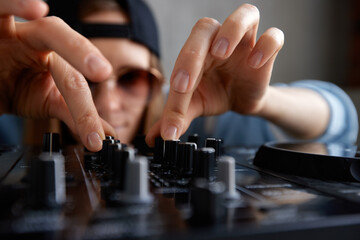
column 141, row 28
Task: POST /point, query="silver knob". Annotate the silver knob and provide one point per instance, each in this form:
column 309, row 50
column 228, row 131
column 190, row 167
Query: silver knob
column 226, row 175
column 136, row 183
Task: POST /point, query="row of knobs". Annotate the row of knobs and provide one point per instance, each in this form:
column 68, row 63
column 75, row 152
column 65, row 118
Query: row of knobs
column 47, row 186
column 185, row 159
column 128, row 172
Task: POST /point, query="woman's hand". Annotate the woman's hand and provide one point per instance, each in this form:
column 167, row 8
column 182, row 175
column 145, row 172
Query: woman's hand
column 220, row 68
column 42, row 63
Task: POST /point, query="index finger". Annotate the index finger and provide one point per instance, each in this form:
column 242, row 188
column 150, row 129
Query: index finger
column 29, row 9
column 74, row 88
column 53, row 34
column 185, row 76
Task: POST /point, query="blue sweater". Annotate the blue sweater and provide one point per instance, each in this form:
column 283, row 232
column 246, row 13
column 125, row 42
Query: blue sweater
column 236, row 129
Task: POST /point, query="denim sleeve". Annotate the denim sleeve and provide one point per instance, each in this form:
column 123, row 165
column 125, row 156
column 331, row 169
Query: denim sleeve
column 236, row 129
column 343, row 124
column 11, row 129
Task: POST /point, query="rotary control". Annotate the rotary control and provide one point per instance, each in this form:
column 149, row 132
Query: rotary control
column 184, row 164
column 158, row 151
column 204, row 163
column 47, row 175
column 136, row 189
column 170, row 154
column 119, row 164
column 106, row 150
column 195, row 138
column 51, row 142
column 207, row 202
column 214, row 143
column 226, row 175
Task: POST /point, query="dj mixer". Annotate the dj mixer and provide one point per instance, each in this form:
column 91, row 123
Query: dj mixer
column 176, row 190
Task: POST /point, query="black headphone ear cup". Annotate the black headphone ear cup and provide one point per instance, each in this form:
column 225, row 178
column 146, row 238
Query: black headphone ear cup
column 355, row 169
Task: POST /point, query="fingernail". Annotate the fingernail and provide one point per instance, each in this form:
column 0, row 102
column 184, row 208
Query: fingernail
column 255, row 59
column 219, row 49
column 94, row 141
column 97, row 64
column 181, row 81
column 170, row 133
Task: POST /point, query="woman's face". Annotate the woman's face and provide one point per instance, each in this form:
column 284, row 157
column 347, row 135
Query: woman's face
column 121, row 101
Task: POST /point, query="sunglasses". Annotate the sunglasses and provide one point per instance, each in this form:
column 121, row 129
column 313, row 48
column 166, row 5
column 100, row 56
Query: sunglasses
column 132, row 79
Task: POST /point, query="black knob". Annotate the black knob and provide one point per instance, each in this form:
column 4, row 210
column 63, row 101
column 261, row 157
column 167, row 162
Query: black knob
column 109, row 137
column 195, row 138
column 158, row 151
column 170, row 154
column 120, row 158
column 204, row 163
column 184, row 163
column 51, row 142
column 207, row 202
column 105, row 151
column 112, row 147
column 47, row 180
column 140, row 144
column 214, row 143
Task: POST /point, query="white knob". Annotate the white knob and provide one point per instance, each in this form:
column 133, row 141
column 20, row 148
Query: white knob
column 136, row 183
column 226, row 175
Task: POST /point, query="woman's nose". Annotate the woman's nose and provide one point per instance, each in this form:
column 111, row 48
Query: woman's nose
column 107, row 99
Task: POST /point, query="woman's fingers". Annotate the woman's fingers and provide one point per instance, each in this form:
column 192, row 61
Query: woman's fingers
column 108, row 129
column 27, row 9
column 53, row 34
column 59, row 109
column 188, row 67
column 267, row 46
column 76, row 93
column 192, row 113
column 242, row 22
column 206, row 36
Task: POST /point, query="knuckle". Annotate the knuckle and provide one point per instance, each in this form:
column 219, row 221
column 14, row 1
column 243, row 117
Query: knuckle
column 49, row 21
column 85, row 119
column 191, row 53
column 77, row 42
column 206, row 23
column 247, row 15
column 176, row 118
column 74, row 81
column 236, row 23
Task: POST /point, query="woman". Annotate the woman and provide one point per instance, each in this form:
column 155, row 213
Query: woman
column 221, row 68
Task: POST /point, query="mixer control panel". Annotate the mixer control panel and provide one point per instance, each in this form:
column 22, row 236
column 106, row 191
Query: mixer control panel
column 175, row 190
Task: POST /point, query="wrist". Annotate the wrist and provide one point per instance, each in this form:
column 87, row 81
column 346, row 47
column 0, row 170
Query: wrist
column 266, row 107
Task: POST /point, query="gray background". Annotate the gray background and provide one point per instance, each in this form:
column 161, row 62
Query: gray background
column 316, row 33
